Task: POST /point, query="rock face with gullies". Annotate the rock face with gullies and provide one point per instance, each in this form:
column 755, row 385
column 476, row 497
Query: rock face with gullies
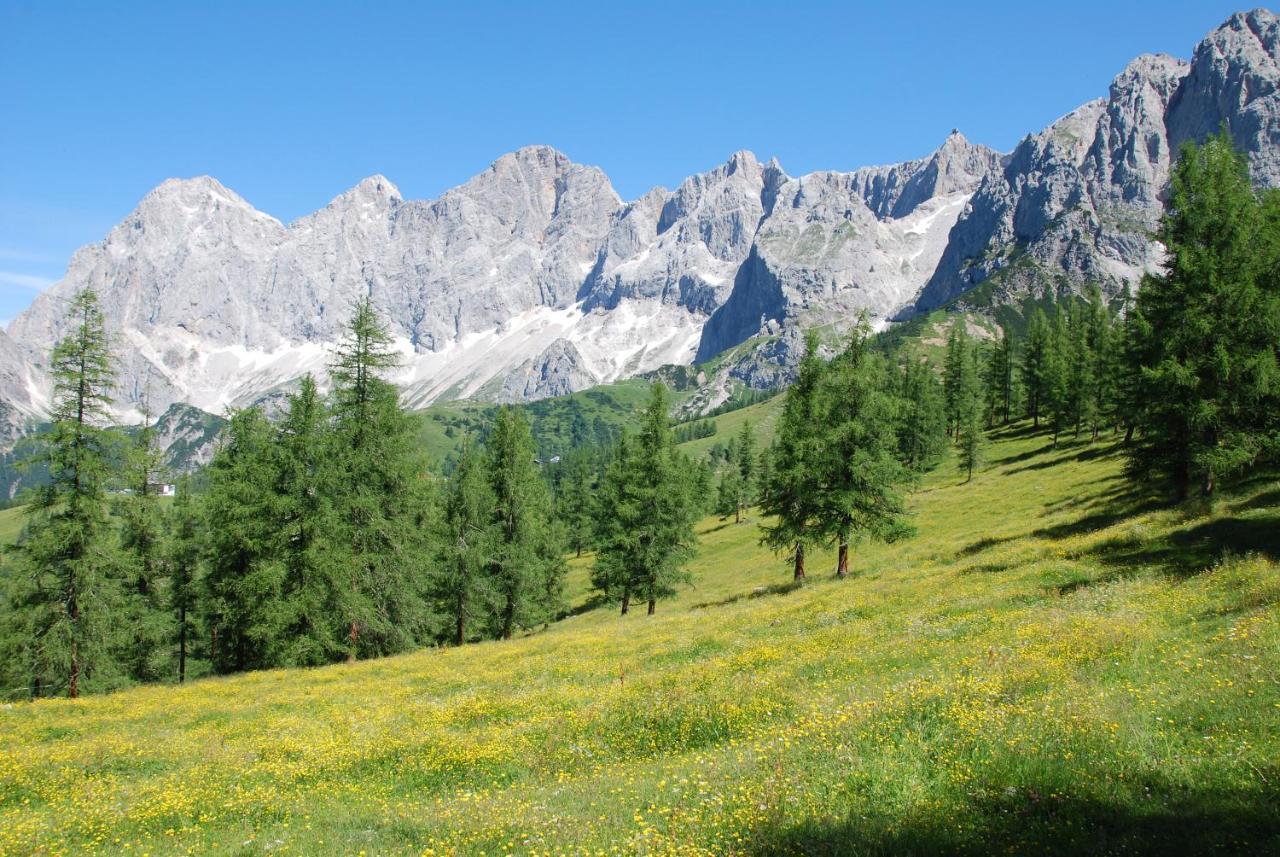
column 534, row 278
column 833, row 245
column 1080, row 201
column 23, row 399
column 685, row 247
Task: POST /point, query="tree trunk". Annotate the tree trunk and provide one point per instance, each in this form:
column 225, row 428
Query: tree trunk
column 626, row 599
column 182, row 644
column 799, row 575
column 354, row 636
column 737, row 513
column 73, row 683
column 73, row 613
column 652, row 604
column 509, row 619
column 459, row 635
column 842, row 560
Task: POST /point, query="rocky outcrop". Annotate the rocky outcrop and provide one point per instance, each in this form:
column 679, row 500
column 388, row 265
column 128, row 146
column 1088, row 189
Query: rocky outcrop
column 557, row 371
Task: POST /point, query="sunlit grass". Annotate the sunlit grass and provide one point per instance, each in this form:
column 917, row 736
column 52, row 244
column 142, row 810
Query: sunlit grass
column 1053, row 664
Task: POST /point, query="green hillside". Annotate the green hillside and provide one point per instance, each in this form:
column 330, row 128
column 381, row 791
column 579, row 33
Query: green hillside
column 1053, row 665
column 763, row 418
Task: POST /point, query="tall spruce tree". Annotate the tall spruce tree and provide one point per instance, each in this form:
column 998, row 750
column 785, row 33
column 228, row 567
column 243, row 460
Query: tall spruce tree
column 146, row 622
column 861, row 475
column 382, row 498
column 922, row 432
column 462, row 584
column 68, row 569
column 970, row 435
column 1036, row 368
column 526, row 567
column 314, row 586
column 798, row 456
column 666, row 539
column 186, row 563
column 244, row 577
column 1209, row 325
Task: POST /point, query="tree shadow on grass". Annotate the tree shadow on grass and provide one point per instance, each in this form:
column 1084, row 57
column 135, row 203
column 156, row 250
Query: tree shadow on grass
column 758, row 592
column 1091, row 452
column 1191, row 551
column 985, row 544
column 1165, row 819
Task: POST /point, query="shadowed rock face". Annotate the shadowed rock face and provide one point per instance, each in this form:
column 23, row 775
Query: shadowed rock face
column 1078, row 201
column 535, row 279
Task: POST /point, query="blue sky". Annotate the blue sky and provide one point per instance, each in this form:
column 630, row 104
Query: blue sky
column 289, row 104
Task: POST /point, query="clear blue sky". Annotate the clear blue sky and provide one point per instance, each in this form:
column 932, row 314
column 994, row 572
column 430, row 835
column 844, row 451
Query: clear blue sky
column 289, row 104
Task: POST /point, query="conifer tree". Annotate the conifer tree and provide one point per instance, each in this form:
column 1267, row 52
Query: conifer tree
column 619, row 518
column 647, row 513
column 1056, row 393
column 68, row 569
column 526, row 565
column 462, row 584
column 764, row 475
column 922, row 432
column 574, row 508
column 382, row 496
column 1036, row 365
column 970, row 435
column 1003, row 359
column 861, row 474
column 730, row 492
column 142, row 534
column 797, row 455
column 1102, row 394
column 244, row 577
column 314, row 586
column 746, row 461
column 186, row 561
column 1207, row 325
column 667, row 540
column 953, row 373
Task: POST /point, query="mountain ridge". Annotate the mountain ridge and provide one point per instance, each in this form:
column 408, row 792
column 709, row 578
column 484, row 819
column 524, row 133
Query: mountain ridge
column 535, row 278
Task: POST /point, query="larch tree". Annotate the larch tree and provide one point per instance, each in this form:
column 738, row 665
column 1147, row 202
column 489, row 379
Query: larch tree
column 1036, row 359
column 381, row 497
column 665, row 541
column 142, row 537
column 526, row 565
column 71, row 569
column 798, row 455
column 313, row 587
column 859, row 483
column 1209, row 325
column 461, row 583
column 186, row 568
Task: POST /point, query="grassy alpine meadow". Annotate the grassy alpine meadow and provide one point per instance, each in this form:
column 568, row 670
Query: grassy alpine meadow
column 1053, row 664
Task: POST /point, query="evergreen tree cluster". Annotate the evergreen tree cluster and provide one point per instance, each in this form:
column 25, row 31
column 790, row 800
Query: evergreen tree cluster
column 1203, row 339
column 850, row 433
column 319, row 537
column 646, row 509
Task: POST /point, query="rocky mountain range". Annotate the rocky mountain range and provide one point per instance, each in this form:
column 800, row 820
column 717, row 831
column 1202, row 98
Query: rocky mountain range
column 535, row 279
